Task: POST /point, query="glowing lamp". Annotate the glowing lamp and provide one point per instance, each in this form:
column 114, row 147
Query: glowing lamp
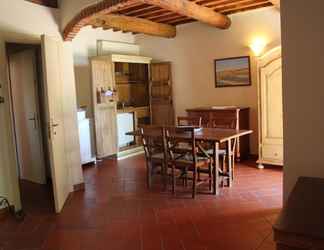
column 257, row 46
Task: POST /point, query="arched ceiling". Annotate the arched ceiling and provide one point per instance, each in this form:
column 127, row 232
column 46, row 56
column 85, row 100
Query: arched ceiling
column 48, row 3
column 153, row 17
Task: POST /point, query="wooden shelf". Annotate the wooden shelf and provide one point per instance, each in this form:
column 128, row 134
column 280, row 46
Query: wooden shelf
column 131, row 82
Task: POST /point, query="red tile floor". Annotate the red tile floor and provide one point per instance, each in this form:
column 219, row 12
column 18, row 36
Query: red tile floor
column 117, row 212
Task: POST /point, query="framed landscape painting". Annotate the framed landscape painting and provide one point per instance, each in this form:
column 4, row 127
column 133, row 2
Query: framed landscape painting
column 234, row 71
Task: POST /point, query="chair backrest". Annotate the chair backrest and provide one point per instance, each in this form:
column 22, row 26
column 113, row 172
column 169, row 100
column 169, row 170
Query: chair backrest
column 153, row 140
column 177, row 135
column 189, row 121
column 228, row 123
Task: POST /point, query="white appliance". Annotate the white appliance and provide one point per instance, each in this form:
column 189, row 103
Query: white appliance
column 85, row 138
column 125, row 123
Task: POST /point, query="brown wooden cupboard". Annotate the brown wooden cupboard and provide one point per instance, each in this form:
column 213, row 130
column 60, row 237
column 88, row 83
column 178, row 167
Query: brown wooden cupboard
column 226, row 117
column 128, row 91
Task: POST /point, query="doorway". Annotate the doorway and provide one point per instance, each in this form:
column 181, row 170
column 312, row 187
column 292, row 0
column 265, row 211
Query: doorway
column 29, row 126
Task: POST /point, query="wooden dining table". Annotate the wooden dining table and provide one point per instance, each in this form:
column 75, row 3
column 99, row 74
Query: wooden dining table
column 215, row 136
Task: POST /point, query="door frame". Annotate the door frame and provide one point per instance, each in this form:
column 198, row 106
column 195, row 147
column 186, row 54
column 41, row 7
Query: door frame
column 37, row 50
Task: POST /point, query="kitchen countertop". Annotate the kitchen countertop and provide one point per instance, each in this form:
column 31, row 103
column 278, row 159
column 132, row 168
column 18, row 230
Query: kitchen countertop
column 132, row 109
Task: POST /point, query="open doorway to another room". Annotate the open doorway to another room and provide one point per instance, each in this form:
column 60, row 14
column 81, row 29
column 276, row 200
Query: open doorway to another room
column 29, row 125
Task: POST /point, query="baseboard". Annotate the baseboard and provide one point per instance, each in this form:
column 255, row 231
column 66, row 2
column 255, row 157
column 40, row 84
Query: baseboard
column 130, row 153
column 79, row 187
column 102, row 158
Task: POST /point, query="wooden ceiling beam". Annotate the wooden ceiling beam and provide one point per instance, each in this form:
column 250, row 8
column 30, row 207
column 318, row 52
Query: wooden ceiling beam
column 229, row 8
column 233, row 11
column 193, row 10
column 247, row 4
column 138, row 11
column 275, row 3
column 230, row 4
column 168, row 18
column 154, row 11
column 133, row 24
column 159, row 14
column 181, row 20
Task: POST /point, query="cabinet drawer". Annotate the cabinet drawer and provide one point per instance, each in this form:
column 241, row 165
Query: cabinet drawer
column 223, row 114
column 204, row 116
column 272, row 152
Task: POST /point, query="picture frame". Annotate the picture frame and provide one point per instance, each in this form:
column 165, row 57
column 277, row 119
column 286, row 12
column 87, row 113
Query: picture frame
column 233, row 72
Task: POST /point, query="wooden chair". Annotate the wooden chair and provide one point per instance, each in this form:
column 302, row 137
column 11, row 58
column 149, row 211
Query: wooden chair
column 189, row 121
column 191, row 162
column 153, row 140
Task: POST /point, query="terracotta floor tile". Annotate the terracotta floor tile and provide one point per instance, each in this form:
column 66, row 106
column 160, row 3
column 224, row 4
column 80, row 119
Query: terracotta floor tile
column 118, row 212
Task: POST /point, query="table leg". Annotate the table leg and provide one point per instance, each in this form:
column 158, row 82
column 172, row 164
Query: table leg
column 165, row 175
column 235, row 143
column 230, row 162
column 216, row 168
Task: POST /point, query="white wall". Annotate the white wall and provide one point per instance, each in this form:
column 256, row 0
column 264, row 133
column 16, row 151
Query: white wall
column 303, row 90
column 20, row 21
column 8, row 169
column 85, row 46
column 192, row 54
column 70, row 8
column 23, row 22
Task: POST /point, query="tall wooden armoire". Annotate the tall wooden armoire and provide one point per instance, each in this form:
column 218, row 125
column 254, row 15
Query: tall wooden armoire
column 270, row 109
column 127, row 92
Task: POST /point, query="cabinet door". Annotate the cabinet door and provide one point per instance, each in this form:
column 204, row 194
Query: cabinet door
column 162, row 111
column 105, row 110
column 205, row 116
column 272, row 109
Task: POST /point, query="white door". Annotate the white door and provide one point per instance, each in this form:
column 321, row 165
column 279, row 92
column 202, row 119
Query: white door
column 52, row 52
column 272, row 112
column 24, row 88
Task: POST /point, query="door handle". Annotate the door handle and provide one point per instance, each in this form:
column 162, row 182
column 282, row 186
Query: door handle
column 54, row 125
column 51, row 128
column 2, row 100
